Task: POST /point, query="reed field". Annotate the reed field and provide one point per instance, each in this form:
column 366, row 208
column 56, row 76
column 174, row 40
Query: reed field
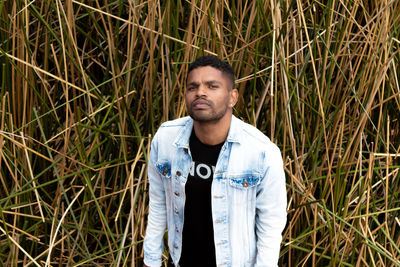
column 84, row 85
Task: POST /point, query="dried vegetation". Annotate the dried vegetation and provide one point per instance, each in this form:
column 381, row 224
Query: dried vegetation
column 85, row 84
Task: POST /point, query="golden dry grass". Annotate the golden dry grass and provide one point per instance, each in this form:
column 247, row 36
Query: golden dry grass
column 85, row 84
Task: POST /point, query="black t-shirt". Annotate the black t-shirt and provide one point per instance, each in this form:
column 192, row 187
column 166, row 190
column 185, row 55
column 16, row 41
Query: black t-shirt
column 198, row 247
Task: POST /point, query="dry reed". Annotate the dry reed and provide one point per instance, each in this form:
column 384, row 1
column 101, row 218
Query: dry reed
column 84, row 86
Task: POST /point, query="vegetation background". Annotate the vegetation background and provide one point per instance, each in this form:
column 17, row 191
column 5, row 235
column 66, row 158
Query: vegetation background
column 85, row 85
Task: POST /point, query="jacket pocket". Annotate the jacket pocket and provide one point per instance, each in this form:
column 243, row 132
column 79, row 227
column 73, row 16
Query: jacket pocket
column 244, row 181
column 164, row 168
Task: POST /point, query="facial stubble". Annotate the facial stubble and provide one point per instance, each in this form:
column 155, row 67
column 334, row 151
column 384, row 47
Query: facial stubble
column 207, row 115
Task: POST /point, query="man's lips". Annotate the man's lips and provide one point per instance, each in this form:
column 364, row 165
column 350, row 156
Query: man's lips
column 201, row 103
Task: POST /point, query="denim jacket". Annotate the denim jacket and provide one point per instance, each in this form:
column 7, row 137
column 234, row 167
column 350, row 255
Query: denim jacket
column 248, row 195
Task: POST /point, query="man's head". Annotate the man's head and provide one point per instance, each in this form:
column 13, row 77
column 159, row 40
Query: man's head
column 210, row 93
column 216, row 63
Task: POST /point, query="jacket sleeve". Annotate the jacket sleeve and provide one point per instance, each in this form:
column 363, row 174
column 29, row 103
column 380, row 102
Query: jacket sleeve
column 271, row 210
column 157, row 218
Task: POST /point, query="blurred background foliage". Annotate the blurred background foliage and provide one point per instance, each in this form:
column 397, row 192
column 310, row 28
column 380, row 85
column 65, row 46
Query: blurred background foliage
column 85, row 85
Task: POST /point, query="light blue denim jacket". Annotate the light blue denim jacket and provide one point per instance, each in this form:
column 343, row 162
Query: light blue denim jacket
column 248, row 195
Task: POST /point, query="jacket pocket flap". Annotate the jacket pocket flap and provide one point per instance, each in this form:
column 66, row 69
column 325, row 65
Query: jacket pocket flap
column 244, row 181
column 164, row 168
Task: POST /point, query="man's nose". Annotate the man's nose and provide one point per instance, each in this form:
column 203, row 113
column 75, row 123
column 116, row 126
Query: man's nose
column 201, row 90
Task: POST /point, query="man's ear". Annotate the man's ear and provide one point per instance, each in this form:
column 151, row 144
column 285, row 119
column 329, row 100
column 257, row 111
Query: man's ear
column 234, row 96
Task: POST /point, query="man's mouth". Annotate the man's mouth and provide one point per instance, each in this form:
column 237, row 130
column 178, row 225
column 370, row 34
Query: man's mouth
column 200, row 104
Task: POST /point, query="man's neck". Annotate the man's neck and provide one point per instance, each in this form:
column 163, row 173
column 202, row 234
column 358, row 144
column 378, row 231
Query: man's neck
column 213, row 133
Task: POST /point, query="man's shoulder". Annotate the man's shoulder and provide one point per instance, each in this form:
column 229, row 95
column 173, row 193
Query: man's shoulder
column 252, row 133
column 253, row 137
column 169, row 130
column 175, row 123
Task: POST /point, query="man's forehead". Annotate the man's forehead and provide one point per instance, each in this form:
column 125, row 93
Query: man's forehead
column 206, row 74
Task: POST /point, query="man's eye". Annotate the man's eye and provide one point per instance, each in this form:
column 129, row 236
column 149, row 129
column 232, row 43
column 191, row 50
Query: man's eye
column 213, row 86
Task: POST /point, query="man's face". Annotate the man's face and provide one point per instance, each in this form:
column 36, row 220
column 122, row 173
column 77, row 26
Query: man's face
column 209, row 94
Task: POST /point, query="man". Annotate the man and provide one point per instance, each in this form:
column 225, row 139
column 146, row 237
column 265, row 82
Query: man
column 216, row 182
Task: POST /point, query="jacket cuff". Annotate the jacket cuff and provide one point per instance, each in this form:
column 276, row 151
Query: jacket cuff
column 152, row 262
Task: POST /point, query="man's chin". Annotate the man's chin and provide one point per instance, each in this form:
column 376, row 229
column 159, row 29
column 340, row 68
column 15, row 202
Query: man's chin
column 196, row 116
column 201, row 118
column 205, row 118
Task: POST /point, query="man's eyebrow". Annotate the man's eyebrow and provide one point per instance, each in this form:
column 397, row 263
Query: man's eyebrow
column 213, row 81
column 193, row 83
column 206, row 82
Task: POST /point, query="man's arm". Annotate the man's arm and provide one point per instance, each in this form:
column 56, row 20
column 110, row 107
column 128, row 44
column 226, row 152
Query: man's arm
column 157, row 219
column 271, row 211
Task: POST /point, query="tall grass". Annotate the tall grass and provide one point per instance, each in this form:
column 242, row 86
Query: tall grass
column 85, row 84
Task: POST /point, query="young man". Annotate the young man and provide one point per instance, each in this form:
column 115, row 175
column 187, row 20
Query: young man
column 216, row 182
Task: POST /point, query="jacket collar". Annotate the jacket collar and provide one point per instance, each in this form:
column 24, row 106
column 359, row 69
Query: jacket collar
column 234, row 130
column 182, row 139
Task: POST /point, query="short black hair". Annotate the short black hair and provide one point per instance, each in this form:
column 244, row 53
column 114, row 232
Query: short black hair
column 214, row 62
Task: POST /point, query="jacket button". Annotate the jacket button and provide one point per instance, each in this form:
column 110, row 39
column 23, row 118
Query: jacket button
column 245, row 184
column 165, row 172
column 176, row 212
column 186, row 150
column 178, row 173
column 176, row 194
